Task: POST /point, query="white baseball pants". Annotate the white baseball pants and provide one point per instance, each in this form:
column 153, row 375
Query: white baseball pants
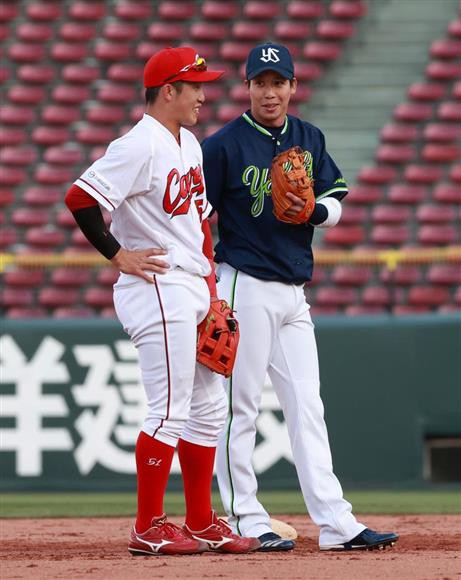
column 184, row 398
column 277, row 337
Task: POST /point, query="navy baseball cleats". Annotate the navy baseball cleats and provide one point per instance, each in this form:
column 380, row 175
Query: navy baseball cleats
column 272, row 542
column 366, row 540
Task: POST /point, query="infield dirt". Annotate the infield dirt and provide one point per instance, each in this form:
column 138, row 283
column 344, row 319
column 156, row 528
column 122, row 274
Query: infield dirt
column 429, row 548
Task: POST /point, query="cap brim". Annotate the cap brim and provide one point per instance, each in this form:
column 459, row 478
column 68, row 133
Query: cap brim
column 286, row 74
column 196, row 76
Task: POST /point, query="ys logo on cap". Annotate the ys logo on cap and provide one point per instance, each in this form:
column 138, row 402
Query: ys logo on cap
column 270, row 55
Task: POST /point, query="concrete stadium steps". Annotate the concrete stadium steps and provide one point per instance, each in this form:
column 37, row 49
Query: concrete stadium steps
column 358, row 94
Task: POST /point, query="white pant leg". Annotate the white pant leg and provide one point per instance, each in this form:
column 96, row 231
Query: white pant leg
column 161, row 320
column 294, row 373
column 236, row 476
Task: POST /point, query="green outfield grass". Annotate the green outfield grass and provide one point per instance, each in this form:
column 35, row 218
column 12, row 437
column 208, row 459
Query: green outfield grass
column 124, row 504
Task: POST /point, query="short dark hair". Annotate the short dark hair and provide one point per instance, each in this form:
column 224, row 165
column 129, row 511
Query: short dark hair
column 153, row 92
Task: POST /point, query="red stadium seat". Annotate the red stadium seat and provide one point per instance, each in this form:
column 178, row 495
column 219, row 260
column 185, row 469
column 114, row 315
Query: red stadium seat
column 8, row 237
column 68, row 52
column 322, row 51
column 412, row 194
column 112, row 51
column 108, row 312
column 334, row 30
column 446, row 48
column 12, row 136
column 454, row 28
column 79, row 240
column 95, row 134
column 324, row 310
column 434, row 214
column 8, row 11
column 377, row 175
column 31, row 277
column 116, row 93
column 98, row 297
column 455, row 173
column 46, row 135
column 261, row 9
column 399, row 133
column 456, row 91
column 427, row 91
column 213, row 92
column 390, row 235
column 18, row 155
column 133, row 10
column 125, row 73
column 390, row 153
column 447, row 193
column 438, row 235
column 28, row 217
column 218, row 10
column 422, row 174
column 35, row 73
column 405, row 309
column 444, row 274
column 22, row 52
column 172, row 10
column 44, row 11
column 302, row 95
column 70, row 94
column 145, row 50
column 443, row 132
column 26, row 95
column 427, row 296
column 250, row 30
column 351, row 275
column 45, row 237
column 364, row 194
column 34, row 32
column 227, row 112
column 50, row 174
column 107, row 276
column 458, row 296
column 376, row 296
column 440, row 153
column 122, row 31
column 443, row 71
column 55, row 297
column 4, row 33
column 11, row 297
column 60, row 115
column 289, row 30
column 79, row 73
column 105, row 114
column 307, row 71
column 6, row 196
column 162, row 31
column 73, row 312
column 300, row 9
column 14, row 115
column 65, row 219
column 413, row 112
column 328, row 296
column 344, row 235
column 403, row 275
column 353, row 214
column 391, row 214
column 235, row 51
column 96, row 153
column 71, row 276
column 42, row 196
column 18, row 313
column 449, row 111
column 364, row 310
column 63, row 155
column 348, row 9
column 208, row 31
column 77, row 31
column 91, row 11
column 12, row 175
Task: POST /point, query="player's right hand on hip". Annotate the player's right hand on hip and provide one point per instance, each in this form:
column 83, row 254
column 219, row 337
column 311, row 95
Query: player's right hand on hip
column 136, row 262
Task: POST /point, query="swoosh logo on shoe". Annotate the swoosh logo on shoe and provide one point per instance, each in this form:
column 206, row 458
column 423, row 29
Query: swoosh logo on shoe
column 214, row 544
column 154, row 547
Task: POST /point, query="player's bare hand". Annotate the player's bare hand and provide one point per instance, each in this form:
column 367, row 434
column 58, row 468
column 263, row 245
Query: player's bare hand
column 136, row 262
column 298, row 204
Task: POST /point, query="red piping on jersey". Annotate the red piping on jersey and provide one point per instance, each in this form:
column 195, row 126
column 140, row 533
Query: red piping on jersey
column 166, row 356
column 98, row 192
column 77, row 198
column 208, row 252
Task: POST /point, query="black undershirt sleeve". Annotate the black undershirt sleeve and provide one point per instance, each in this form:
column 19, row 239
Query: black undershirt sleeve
column 91, row 222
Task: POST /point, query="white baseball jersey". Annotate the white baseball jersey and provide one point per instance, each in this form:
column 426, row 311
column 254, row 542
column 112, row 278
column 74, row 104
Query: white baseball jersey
column 155, row 190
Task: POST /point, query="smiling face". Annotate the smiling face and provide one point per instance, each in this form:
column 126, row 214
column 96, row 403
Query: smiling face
column 270, row 94
column 187, row 102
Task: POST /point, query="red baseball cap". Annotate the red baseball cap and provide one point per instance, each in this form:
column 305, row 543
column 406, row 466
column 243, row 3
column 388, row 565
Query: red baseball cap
column 177, row 64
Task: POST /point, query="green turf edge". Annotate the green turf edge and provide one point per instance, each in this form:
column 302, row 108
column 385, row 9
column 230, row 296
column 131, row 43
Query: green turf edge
column 38, row 505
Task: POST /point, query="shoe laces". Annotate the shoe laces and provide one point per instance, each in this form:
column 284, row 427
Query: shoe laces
column 223, row 526
column 170, row 530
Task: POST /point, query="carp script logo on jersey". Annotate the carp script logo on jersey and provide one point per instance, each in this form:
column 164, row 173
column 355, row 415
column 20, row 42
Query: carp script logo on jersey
column 180, row 189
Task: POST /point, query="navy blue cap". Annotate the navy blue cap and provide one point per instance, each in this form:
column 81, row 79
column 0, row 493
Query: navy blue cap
column 270, row 56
